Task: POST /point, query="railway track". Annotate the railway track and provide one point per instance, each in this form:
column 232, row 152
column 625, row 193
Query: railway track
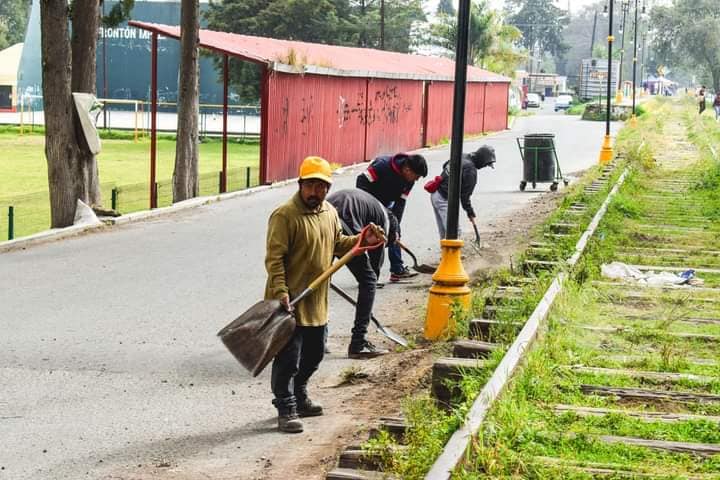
column 625, row 382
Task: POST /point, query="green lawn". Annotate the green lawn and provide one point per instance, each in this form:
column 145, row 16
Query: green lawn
column 124, row 164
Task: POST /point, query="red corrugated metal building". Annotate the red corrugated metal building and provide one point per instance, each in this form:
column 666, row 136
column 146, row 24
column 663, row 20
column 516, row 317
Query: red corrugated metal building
column 351, row 104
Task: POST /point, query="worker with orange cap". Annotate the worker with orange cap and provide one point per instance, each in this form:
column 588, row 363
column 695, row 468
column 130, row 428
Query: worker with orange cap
column 304, row 235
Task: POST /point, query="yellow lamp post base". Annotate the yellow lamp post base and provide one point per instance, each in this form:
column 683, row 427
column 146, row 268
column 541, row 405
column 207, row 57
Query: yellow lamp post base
column 619, row 97
column 606, row 152
column 450, row 286
column 633, row 121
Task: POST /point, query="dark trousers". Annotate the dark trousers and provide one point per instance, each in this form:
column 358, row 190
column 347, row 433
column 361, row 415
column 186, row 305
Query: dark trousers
column 395, row 256
column 366, row 269
column 295, row 364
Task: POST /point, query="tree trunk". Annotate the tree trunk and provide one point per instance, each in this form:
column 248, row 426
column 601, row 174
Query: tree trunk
column 185, row 177
column 84, row 45
column 61, row 148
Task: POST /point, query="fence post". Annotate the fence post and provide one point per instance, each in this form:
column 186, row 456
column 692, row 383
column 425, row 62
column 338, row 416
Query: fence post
column 220, row 181
column 247, row 177
column 114, row 198
column 155, row 194
column 11, row 222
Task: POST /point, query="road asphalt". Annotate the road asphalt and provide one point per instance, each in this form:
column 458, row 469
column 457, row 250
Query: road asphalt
column 109, row 361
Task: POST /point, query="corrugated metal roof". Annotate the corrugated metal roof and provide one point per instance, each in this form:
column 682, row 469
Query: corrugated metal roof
column 327, row 59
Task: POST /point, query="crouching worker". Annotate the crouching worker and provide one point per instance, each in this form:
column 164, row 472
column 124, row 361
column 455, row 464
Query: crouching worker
column 357, row 208
column 440, row 185
column 304, row 235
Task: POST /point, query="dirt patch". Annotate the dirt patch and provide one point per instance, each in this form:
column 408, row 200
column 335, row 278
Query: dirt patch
column 387, row 381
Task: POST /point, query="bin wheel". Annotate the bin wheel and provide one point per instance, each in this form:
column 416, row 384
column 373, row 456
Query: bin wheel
column 534, row 185
column 566, row 182
column 522, row 186
column 553, row 187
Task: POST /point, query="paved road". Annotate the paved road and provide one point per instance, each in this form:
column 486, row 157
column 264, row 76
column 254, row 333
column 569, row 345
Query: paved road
column 108, row 358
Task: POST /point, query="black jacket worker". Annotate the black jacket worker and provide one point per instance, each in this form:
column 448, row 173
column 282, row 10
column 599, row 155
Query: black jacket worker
column 390, row 178
column 471, row 163
column 357, row 208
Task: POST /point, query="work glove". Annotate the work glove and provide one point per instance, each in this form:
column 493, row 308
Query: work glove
column 373, row 235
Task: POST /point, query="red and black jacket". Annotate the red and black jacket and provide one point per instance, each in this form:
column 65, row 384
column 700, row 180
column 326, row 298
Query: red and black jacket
column 383, row 180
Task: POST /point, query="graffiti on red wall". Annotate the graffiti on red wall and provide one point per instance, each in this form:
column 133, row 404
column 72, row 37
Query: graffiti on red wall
column 345, row 111
column 386, row 105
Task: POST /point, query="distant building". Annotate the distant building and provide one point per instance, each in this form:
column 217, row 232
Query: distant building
column 9, row 64
column 545, row 84
column 593, row 78
column 123, row 57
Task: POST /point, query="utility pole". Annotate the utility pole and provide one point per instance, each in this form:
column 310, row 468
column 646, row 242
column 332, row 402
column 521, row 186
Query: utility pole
column 592, row 42
column 382, row 24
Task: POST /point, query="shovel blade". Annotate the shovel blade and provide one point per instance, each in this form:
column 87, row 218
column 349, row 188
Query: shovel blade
column 424, row 268
column 256, row 336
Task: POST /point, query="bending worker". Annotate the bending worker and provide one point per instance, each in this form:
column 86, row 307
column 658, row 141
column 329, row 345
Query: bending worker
column 356, row 209
column 304, row 235
column 439, row 187
column 389, row 179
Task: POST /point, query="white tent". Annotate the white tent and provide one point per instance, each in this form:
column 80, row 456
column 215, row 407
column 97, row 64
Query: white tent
column 9, row 64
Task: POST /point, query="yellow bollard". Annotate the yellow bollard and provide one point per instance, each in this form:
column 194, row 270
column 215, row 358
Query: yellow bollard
column 606, row 152
column 450, row 285
column 618, row 97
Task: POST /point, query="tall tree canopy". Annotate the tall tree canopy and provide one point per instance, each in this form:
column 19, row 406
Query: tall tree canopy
column 687, row 34
column 13, row 21
column 337, row 22
column 443, row 32
column 541, row 24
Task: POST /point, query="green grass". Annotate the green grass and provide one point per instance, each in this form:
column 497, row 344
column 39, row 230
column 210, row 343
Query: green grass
column 522, row 429
column 123, row 163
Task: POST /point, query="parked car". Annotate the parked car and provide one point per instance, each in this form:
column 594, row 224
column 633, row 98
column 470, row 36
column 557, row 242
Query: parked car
column 533, row 100
column 563, row 102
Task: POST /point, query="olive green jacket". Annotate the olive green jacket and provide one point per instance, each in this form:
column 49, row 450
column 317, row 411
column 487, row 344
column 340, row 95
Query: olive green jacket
column 301, row 244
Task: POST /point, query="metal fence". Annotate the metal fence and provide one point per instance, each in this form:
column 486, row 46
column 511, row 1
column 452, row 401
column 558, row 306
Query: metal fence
column 24, row 215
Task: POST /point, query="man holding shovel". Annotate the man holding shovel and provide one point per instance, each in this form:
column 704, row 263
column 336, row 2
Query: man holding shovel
column 439, row 186
column 390, row 178
column 304, row 235
column 357, row 208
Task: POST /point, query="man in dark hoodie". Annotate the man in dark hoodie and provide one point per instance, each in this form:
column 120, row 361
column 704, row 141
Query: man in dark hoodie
column 357, row 208
column 471, row 163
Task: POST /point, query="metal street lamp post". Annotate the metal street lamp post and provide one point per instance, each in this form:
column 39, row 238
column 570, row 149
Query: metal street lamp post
column 450, row 280
column 606, row 153
column 633, row 120
column 625, row 8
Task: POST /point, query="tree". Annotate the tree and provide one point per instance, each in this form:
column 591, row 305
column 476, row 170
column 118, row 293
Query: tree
column 445, row 7
column 185, row 176
column 480, row 34
column 504, row 55
column 687, row 34
column 541, row 24
column 337, row 22
column 68, row 65
column 13, row 21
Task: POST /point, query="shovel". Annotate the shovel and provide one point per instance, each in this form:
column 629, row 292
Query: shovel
column 397, row 338
column 423, row 268
column 256, row 336
column 477, row 233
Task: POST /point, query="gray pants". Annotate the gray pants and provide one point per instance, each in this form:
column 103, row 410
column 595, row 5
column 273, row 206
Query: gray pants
column 440, row 206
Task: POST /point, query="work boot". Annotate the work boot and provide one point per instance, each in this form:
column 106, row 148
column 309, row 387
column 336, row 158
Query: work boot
column 405, row 273
column 308, row 408
column 364, row 350
column 288, row 420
